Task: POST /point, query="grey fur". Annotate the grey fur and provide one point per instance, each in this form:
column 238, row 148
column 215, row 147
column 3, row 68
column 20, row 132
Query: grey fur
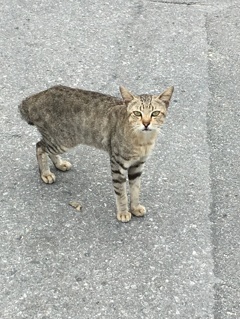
column 126, row 128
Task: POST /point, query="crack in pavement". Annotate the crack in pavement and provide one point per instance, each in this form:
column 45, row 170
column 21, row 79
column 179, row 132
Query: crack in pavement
column 178, row 3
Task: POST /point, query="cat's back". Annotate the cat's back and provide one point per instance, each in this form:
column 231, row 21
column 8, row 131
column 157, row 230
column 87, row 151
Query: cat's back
column 75, row 96
column 61, row 100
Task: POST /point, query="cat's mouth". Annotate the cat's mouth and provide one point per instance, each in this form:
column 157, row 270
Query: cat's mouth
column 146, row 129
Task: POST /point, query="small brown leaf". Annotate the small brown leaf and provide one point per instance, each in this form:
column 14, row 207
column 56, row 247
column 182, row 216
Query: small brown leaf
column 75, row 205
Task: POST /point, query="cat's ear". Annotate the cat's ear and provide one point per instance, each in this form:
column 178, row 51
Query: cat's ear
column 126, row 95
column 166, row 95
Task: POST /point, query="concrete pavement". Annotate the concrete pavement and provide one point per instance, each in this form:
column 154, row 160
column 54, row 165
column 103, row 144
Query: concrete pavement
column 182, row 259
column 223, row 135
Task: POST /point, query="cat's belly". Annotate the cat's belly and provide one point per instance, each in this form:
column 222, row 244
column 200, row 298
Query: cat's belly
column 96, row 142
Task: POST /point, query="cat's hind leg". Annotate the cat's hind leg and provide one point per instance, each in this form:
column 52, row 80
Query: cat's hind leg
column 44, row 150
column 42, row 157
column 59, row 163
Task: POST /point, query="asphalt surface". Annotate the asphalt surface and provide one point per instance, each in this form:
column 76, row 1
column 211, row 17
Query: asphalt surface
column 182, row 260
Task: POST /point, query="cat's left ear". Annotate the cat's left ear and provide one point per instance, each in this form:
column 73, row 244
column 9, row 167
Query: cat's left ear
column 166, row 95
column 126, row 95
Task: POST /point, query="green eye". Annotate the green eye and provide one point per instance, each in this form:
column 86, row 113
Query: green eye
column 155, row 113
column 137, row 113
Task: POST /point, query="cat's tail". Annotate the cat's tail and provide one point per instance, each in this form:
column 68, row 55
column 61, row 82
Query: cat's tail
column 24, row 111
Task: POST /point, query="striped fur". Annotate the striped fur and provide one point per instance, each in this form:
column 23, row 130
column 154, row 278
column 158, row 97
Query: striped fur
column 126, row 128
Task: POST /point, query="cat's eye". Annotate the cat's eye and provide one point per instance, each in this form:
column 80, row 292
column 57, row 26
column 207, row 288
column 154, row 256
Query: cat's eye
column 137, row 113
column 155, row 113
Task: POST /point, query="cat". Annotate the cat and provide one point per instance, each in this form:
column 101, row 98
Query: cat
column 125, row 127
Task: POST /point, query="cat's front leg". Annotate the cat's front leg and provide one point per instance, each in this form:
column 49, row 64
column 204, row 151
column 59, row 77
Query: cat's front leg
column 134, row 175
column 119, row 185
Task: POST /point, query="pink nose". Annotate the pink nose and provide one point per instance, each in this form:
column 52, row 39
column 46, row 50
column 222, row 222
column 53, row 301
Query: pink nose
column 146, row 124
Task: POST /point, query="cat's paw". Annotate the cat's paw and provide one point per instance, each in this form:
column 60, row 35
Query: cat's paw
column 64, row 166
column 124, row 217
column 48, row 177
column 138, row 211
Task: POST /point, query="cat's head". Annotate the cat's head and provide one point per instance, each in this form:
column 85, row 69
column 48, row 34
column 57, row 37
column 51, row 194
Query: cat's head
column 146, row 112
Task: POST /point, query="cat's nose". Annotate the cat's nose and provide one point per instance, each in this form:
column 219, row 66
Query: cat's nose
column 146, row 124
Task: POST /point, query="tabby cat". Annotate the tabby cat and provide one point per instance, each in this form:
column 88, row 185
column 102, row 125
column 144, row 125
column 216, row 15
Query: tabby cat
column 126, row 128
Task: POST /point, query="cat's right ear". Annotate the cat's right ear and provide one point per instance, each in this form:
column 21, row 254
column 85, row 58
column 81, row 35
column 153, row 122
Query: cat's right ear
column 126, row 95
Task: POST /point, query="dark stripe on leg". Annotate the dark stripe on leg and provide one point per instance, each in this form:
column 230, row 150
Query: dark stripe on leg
column 52, row 149
column 115, row 161
column 115, row 171
column 136, row 165
column 134, row 176
column 60, row 150
column 117, row 192
column 119, row 181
